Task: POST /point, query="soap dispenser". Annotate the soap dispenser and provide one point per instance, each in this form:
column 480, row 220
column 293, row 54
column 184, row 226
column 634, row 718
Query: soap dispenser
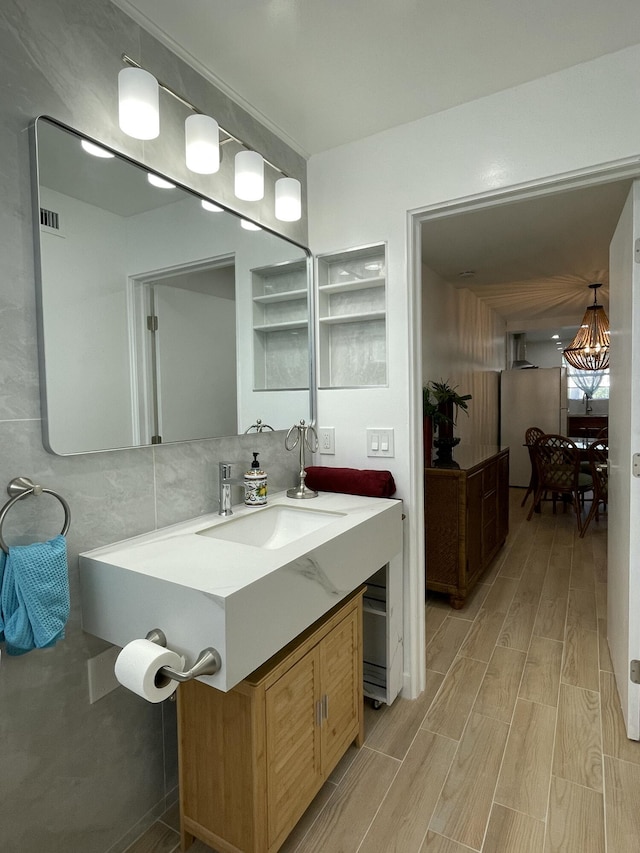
column 255, row 484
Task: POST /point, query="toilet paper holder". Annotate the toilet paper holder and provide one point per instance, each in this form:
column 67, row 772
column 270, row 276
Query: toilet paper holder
column 208, row 663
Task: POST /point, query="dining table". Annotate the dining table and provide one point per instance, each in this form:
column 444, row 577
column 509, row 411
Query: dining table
column 582, row 443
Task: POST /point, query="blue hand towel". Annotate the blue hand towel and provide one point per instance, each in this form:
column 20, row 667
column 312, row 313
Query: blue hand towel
column 34, row 595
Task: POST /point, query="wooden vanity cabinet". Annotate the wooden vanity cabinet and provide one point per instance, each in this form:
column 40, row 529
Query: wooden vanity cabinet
column 466, row 514
column 252, row 760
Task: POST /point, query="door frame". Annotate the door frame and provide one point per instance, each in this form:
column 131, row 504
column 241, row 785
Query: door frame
column 602, row 173
column 137, row 294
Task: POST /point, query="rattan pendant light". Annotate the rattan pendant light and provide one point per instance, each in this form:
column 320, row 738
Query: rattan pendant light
column 589, row 350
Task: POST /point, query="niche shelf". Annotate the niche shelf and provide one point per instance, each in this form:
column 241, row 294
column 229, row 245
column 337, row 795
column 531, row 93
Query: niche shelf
column 352, row 318
column 280, row 327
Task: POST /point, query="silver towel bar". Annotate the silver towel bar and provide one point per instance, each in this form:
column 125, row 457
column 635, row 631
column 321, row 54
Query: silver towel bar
column 22, row 487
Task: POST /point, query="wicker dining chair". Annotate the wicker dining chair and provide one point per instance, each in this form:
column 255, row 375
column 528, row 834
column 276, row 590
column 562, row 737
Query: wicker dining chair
column 530, row 437
column 597, row 454
column 558, row 472
column 601, row 435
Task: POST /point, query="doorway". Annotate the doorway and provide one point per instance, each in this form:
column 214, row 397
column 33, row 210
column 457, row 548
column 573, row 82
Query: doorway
column 457, row 216
column 183, row 345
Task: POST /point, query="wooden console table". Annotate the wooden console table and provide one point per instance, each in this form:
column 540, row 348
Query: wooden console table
column 466, row 516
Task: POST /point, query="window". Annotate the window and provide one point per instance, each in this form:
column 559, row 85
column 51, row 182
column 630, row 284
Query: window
column 594, row 383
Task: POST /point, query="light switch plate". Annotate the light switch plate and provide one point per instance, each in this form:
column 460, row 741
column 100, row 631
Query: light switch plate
column 380, row 442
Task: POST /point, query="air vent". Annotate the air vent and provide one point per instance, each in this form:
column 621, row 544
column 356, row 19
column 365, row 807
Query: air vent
column 50, row 219
column 50, row 222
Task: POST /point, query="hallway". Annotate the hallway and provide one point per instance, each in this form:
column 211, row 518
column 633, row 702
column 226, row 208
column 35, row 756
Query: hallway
column 517, row 744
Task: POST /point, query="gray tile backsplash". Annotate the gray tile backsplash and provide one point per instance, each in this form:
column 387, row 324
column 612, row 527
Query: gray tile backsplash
column 85, row 777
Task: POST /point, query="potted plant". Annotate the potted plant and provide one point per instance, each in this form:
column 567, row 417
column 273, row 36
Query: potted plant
column 441, row 404
column 429, row 417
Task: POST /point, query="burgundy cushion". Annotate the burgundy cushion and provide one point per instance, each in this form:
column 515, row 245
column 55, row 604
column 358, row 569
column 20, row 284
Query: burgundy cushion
column 351, row 481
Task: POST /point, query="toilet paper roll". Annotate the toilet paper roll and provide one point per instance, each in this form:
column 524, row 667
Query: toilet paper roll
column 138, row 669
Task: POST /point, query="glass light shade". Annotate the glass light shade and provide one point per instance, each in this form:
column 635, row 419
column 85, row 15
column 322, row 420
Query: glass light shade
column 249, row 177
column 210, row 206
column 157, row 181
column 288, row 204
column 249, row 226
column 96, row 150
column 202, row 144
column 138, row 103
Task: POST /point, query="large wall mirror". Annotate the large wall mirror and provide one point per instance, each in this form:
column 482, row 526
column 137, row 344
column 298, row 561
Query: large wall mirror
column 162, row 318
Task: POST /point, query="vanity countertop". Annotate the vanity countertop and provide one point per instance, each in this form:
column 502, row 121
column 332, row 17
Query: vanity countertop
column 246, row 601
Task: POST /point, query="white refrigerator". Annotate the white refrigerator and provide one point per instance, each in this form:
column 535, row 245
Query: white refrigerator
column 530, row 397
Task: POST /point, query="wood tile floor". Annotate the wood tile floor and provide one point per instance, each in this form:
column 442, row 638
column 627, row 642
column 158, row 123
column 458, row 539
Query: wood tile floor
column 516, row 746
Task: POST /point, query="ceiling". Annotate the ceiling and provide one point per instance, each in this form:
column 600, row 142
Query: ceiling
column 326, row 72
column 531, row 261
column 322, row 74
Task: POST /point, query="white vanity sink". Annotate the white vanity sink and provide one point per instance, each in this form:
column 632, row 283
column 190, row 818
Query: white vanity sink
column 271, row 527
column 245, row 585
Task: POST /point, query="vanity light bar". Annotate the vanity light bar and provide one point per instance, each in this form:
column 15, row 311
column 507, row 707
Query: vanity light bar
column 230, row 137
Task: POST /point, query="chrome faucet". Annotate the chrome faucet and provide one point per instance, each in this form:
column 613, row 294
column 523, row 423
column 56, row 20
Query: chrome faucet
column 225, row 481
column 587, row 407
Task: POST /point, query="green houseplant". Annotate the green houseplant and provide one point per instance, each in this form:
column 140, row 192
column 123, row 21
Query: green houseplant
column 441, row 404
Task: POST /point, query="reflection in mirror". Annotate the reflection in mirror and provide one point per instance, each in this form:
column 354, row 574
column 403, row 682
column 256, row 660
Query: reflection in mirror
column 161, row 318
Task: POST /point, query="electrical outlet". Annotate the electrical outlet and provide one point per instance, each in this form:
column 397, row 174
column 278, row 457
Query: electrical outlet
column 327, row 440
column 102, row 677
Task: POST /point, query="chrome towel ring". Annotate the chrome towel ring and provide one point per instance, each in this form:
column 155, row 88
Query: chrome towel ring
column 22, row 487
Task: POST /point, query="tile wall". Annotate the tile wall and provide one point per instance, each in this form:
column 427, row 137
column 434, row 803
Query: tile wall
column 89, row 777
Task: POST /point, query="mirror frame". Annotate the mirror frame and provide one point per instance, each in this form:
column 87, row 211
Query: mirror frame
column 36, row 205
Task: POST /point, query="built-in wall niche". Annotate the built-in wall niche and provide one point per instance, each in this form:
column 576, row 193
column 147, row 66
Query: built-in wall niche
column 352, row 318
column 280, row 327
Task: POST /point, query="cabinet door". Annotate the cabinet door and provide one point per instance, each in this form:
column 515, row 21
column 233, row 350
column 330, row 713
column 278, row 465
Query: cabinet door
column 341, row 689
column 503, row 497
column 489, row 511
column 293, row 739
column 444, row 523
column 474, row 530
